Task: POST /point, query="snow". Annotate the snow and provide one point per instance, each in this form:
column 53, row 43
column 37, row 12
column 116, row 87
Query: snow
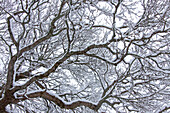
column 20, row 83
column 129, row 58
column 30, row 92
column 14, row 75
column 2, row 96
column 39, row 70
column 53, row 94
column 68, row 103
column 161, row 108
column 160, row 70
column 25, row 94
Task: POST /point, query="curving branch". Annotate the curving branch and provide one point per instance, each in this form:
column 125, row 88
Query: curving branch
column 58, row 100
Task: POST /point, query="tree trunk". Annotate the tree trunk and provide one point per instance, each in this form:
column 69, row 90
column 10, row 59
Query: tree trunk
column 3, row 105
column 3, row 111
column 7, row 99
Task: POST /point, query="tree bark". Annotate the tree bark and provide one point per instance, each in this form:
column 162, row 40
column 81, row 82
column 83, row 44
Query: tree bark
column 6, row 100
column 3, row 103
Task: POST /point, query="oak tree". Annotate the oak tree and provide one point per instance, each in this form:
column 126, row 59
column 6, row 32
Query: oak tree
column 84, row 56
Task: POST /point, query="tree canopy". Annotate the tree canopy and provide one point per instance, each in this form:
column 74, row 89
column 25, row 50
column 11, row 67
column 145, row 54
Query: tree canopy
column 84, row 56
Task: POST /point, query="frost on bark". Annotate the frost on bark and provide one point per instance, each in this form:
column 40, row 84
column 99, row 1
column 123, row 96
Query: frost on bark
column 84, row 56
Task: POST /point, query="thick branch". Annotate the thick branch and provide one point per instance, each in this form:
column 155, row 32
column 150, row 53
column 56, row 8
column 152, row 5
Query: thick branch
column 10, row 75
column 44, row 75
column 59, row 101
